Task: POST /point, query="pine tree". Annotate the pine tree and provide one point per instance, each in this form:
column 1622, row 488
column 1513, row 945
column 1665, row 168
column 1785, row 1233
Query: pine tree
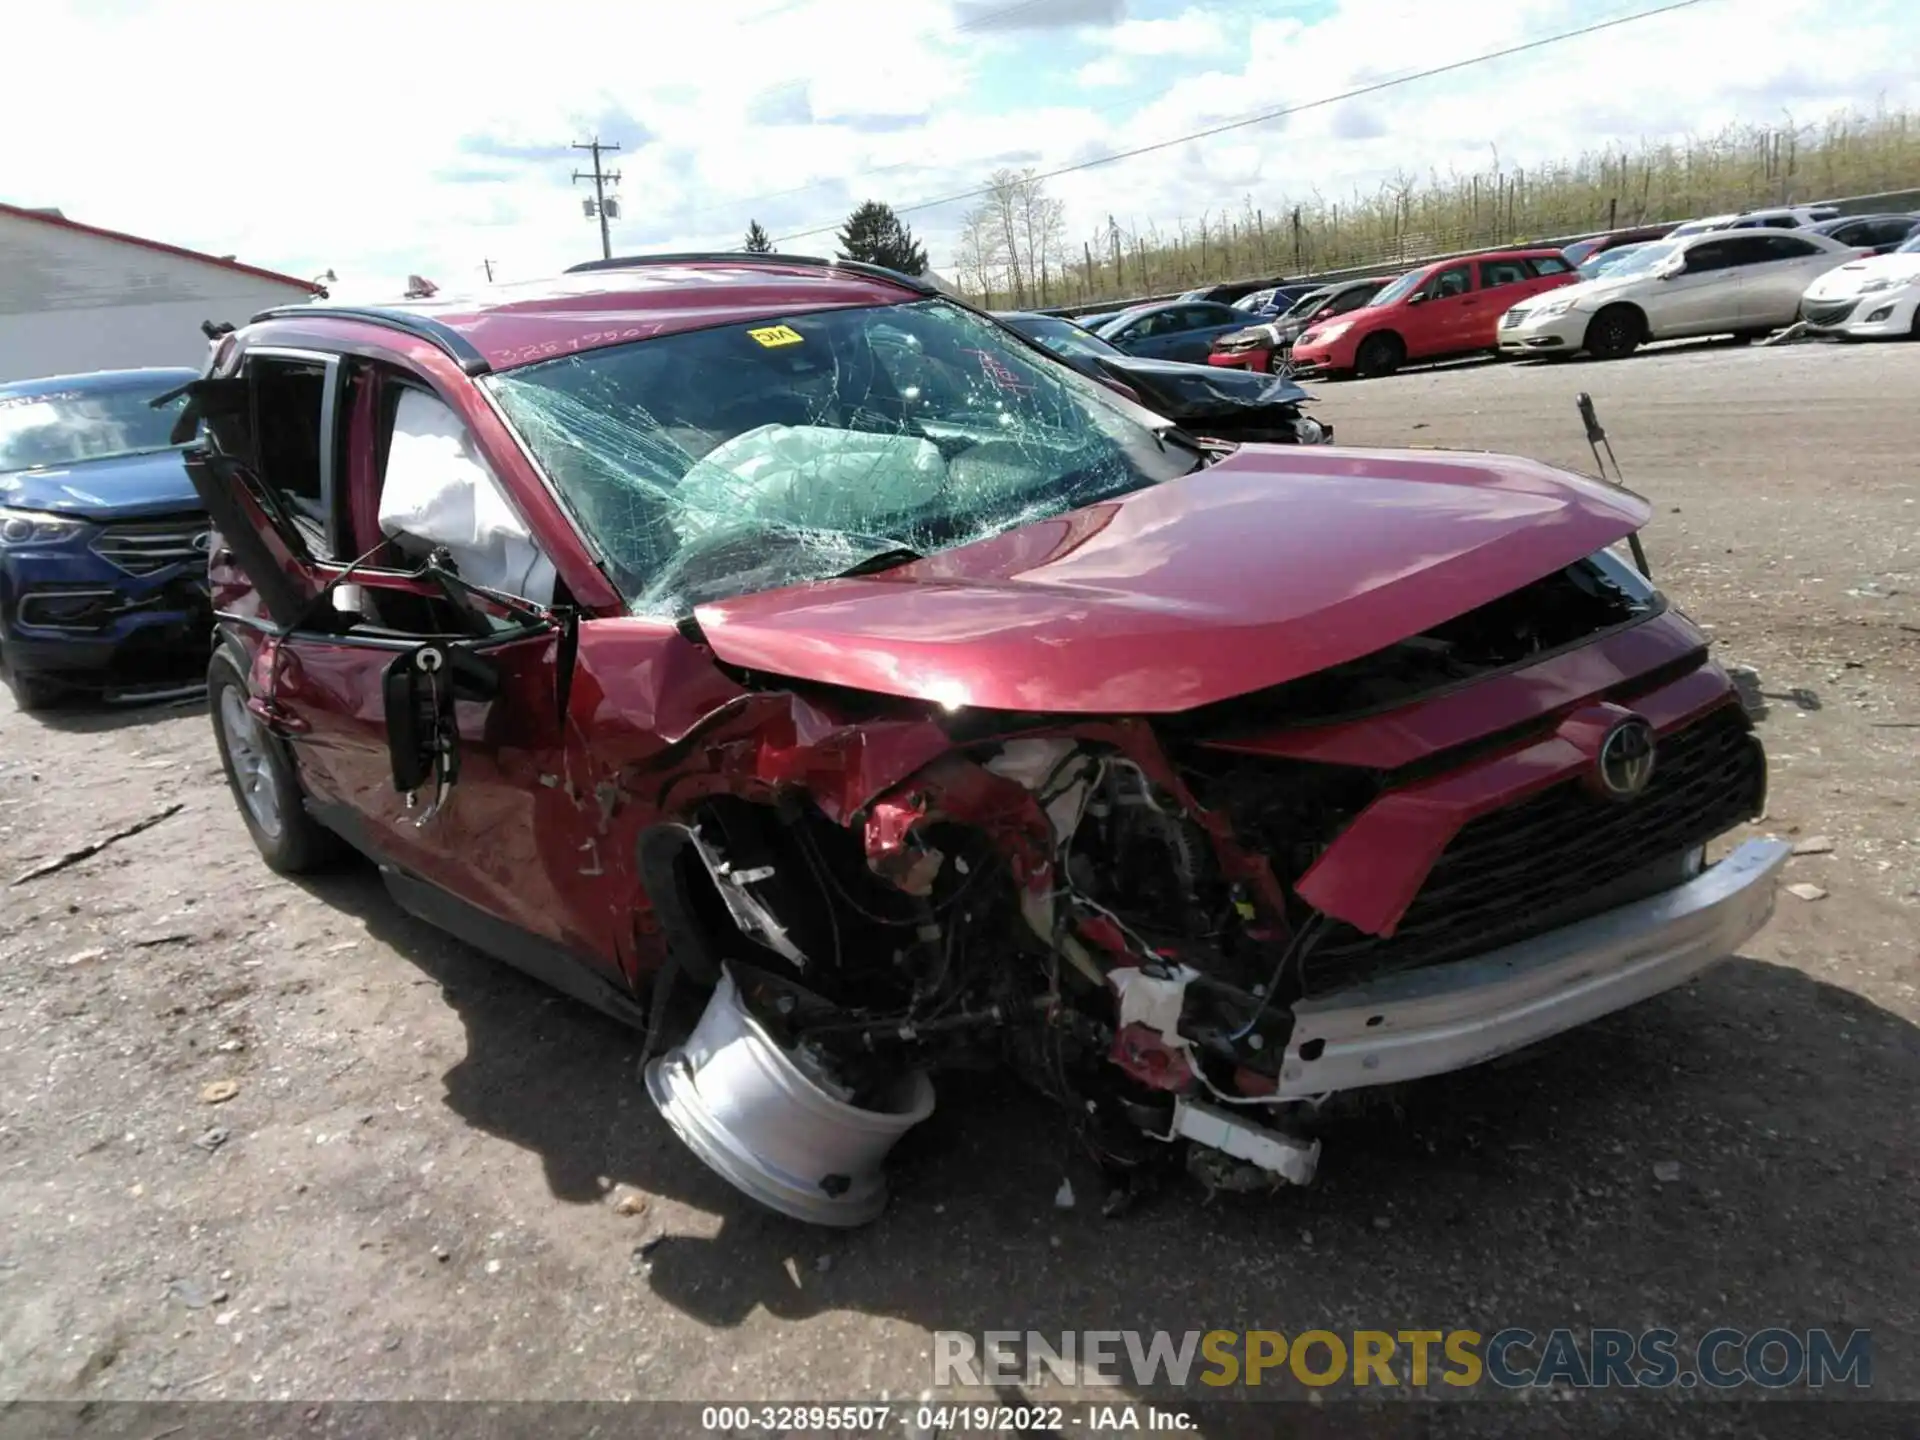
column 757, row 242
column 874, row 234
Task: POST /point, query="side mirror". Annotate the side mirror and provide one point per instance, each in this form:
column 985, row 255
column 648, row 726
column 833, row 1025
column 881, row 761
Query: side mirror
column 423, row 736
column 1673, row 267
column 1416, row 297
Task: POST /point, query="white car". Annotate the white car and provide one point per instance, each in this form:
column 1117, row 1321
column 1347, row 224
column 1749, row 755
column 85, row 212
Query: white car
column 1742, row 282
column 1786, row 217
column 1877, row 298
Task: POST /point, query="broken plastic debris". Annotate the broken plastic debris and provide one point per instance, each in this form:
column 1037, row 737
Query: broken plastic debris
column 1063, row 1197
column 1666, row 1171
column 1814, row 845
column 218, row 1092
column 1806, row 892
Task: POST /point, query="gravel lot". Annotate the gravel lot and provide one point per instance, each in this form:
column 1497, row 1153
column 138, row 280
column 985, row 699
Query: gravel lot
column 423, row 1182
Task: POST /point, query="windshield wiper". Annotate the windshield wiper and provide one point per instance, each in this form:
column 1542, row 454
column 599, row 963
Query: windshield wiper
column 884, row 560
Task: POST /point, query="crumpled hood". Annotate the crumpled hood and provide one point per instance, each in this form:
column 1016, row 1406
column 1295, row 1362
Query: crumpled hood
column 1274, row 563
column 124, row 487
column 1202, row 392
column 1847, row 279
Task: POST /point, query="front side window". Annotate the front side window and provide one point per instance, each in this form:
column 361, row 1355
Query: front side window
column 1400, row 288
column 1503, row 272
column 75, row 425
column 720, row 462
column 1550, row 265
column 1454, row 280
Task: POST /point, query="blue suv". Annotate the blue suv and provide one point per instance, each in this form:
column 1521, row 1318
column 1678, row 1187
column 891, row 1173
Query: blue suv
column 103, row 543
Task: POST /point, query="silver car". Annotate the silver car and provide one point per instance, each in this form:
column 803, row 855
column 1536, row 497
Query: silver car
column 1738, row 282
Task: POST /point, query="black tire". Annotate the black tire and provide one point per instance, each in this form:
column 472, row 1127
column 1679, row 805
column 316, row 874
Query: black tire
column 294, row 843
column 1379, row 355
column 1615, row 333
column 30, row 692
column 1747, row 337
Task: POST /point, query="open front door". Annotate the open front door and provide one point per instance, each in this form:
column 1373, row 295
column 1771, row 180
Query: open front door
column 407, row 646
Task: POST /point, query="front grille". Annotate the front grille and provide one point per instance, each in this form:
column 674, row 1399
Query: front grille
column 1549, row 861
column 1511, row 320
column 1827, row 312
column 148, row 546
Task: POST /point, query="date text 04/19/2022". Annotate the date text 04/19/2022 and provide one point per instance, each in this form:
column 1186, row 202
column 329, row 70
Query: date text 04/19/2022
column 882, row 1419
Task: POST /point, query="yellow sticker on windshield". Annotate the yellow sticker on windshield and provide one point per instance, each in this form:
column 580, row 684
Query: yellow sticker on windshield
column 772, row 335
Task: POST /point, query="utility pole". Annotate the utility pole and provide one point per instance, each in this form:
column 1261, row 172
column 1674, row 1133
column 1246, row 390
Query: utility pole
column 488, row 264
column 601, row 179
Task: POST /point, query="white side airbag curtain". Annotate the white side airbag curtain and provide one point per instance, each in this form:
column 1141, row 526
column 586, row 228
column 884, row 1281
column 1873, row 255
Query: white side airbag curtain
column 439, row 491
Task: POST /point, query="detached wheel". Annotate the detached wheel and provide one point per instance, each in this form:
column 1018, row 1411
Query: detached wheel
column 262, row 780
column 1379, row 355
column 1614, row 333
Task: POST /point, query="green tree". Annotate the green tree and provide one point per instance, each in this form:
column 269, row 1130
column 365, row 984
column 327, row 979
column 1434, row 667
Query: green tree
column 874, row 234
column 757, row 242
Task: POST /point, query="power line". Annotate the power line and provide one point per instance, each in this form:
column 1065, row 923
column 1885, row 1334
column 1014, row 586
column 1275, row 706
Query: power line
column 1274, row 114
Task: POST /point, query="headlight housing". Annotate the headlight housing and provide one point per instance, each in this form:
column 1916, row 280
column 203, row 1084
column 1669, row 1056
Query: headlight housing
column 1328, row 332
column 1871, row 286
column 34, row 527
column 1550, row 309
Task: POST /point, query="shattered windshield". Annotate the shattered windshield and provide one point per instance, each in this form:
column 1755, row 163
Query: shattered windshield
column 719, row 462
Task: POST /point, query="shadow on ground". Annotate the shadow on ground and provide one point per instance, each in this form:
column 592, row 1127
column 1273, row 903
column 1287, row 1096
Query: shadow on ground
column 81, row 714
column 1734, row 1153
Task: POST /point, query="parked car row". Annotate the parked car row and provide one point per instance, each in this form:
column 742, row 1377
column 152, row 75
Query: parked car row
column 1742, row 275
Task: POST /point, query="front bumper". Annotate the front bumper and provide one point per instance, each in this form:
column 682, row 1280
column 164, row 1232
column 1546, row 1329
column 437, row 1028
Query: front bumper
column 1447, row 1017
column 1556, row 335
column 1882, row 315
column 68, row 613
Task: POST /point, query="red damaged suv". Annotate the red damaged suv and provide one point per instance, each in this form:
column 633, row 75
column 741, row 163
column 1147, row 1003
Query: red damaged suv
column 787, row 631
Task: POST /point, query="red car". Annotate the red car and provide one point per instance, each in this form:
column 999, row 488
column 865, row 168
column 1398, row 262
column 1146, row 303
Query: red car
column 1451, row 307
column 788, row 631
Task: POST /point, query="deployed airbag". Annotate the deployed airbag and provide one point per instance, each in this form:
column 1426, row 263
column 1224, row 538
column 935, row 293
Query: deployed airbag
column 439, row 492
column 810, row 477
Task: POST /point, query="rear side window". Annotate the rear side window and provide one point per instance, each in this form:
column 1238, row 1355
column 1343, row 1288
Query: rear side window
column 1787, row 247
column 1503, row 272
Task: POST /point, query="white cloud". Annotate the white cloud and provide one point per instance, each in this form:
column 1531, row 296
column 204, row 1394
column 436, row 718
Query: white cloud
column 1196, row 32
column 1108, row 70
column 427, row 136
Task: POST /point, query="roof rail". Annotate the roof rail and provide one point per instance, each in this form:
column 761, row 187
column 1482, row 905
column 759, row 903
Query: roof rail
column 422, row 327
column 743, row 257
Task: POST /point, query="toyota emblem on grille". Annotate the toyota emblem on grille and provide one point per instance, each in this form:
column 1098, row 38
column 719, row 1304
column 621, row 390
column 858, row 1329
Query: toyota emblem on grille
column 1626, row 759
column 203, row 542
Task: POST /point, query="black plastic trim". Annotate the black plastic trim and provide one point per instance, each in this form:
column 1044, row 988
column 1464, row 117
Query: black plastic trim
column 742, row 257
column 532, row 955
column 421, row 327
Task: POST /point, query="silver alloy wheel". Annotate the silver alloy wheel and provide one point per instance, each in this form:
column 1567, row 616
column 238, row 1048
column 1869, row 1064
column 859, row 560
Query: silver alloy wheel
column 253, row 772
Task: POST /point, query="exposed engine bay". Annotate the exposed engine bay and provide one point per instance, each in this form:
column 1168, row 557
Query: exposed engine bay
column 1116, row 912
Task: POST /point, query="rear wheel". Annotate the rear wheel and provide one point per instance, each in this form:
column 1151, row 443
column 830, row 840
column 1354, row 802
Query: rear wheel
column 1379, row 355
column 262, row 779
column 1615, row 333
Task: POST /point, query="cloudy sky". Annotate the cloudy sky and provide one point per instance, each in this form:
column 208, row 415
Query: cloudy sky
column 378, row 139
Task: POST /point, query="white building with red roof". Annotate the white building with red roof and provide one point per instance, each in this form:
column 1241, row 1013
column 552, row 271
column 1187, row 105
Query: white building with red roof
column 76, row 298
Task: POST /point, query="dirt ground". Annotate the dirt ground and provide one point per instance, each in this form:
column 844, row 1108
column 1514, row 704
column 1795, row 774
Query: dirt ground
column 416, row 1190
